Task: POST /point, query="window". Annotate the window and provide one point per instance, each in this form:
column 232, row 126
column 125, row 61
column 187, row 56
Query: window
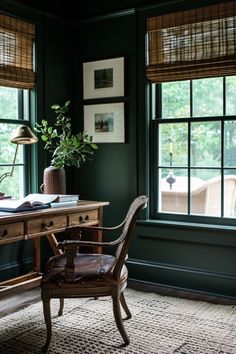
column 195, row 142
column 191, row 67
column 17, row 77
column 14, row 110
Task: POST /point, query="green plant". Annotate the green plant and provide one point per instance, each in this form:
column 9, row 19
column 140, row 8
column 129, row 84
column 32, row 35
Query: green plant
column 67, row 149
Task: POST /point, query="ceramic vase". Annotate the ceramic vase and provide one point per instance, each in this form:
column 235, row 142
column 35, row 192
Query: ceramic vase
column 54, row 181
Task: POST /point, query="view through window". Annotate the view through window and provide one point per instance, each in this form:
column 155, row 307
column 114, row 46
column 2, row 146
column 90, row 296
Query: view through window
column 194, row 129
column 14, row 104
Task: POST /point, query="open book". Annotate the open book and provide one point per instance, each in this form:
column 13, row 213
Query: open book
column 30, row 202
column 49, row 198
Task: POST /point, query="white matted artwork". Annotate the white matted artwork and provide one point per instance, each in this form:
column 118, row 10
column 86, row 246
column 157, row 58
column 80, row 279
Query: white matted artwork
column 103, row 78
column 105, row 122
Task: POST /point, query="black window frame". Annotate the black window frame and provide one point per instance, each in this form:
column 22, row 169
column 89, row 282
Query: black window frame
column 155, row 110
column 19, row 120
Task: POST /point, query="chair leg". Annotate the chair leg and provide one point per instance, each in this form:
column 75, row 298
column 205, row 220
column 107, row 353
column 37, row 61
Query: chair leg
column 125, row 306
column 60, row 312
column 119, row 321
column 48, row 321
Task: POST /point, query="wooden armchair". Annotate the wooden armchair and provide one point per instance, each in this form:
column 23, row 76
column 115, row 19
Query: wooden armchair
column 74, row 274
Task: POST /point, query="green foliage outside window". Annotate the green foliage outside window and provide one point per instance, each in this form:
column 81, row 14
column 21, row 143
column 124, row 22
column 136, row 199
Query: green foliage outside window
column 8, row 110
column 207, row 101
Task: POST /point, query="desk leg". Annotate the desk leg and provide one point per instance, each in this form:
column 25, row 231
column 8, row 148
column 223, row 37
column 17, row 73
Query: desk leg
column 37, row 254
column 97, row 235
column 53, row 243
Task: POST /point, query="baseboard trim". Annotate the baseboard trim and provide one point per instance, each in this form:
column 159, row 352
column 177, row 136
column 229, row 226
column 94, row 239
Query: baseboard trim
column 14, row 269
column 188, row 279
column 142, row 285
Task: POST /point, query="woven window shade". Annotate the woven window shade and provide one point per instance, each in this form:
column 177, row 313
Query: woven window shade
column 16, row 53
column 192, row 44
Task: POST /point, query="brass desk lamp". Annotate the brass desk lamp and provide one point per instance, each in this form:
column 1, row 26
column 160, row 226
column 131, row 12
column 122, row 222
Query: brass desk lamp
column 23, row 135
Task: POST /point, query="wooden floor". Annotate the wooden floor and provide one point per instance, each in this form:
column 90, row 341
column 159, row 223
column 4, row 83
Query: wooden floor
column 16, row 302
column 23, row 299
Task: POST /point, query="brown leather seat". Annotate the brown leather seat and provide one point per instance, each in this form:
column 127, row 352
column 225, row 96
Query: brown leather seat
column 90, row 270
column 75, row 274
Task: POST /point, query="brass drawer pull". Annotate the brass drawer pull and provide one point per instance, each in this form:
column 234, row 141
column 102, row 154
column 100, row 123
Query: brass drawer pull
column 83, row 219
column 46, row 226
column 4, row 234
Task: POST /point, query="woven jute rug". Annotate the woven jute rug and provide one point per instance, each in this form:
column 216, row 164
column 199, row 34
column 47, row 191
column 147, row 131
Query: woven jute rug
column 160, row 325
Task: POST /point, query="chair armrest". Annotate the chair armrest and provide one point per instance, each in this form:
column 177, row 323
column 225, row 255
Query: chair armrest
column 99, row 228
column 77, row 243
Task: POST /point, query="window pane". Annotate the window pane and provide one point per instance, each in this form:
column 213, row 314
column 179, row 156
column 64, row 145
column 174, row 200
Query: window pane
column 173, row 198
column 230, row 143
column 13, row 185
column 7, row 149
column 230, row 95
column 176, row 99
column 206, row 144
column 8, row 103
column 208, row 97
column 10, row 185
column 230, row 193
column 173, row 144
column 205, row 192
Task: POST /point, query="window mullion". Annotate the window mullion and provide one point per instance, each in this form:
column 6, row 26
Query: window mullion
column 222, row 146
column 189, row 165
column 222, row 167
column 189, row 143
column 156, row 137
column 20, row 104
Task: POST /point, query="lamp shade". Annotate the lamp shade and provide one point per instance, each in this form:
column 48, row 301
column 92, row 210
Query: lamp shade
column 23, row 135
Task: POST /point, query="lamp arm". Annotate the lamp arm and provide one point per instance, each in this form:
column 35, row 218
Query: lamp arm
column 9, row 174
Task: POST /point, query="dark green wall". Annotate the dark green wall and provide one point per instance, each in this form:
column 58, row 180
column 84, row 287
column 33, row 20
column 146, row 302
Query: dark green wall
column 201, row 258
column 113, row 174
column 53, row 72
column 182, row 256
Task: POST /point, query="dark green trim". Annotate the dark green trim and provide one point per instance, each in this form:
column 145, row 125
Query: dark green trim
column 25, row 8
column 187, row 225
column 197, row 234
column 147, row 285
column 105, row 17
column 17, row 268
column 198, row 280
column 158, row 5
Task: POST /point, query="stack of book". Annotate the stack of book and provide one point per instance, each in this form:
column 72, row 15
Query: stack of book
column 63, row 200
column 38, row 201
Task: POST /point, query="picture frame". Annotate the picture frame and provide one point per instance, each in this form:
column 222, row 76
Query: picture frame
column 103, row 78
column 105, row 122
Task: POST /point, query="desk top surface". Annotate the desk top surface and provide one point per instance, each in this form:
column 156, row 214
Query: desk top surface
column 26, row 215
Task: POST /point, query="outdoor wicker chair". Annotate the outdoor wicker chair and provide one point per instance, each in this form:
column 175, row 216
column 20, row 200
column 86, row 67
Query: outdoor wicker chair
column 205, row 196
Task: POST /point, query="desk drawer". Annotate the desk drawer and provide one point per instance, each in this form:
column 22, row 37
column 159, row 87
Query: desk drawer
column 46, row 224
column 83, row 217
column 11, row 230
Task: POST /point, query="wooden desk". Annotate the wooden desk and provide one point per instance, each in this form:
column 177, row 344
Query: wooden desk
column 46, row 222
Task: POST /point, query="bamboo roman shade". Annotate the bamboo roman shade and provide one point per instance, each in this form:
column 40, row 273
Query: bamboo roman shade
column 16, row 53
column 192, row 44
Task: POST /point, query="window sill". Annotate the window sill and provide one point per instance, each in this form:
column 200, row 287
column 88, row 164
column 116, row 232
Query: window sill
column 186, row 225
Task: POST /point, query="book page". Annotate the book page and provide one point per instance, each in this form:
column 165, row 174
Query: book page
column 14, row 204
column 40, row 197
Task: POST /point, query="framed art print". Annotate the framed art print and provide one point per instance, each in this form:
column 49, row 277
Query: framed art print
column 103, row 78
column 105, row 122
